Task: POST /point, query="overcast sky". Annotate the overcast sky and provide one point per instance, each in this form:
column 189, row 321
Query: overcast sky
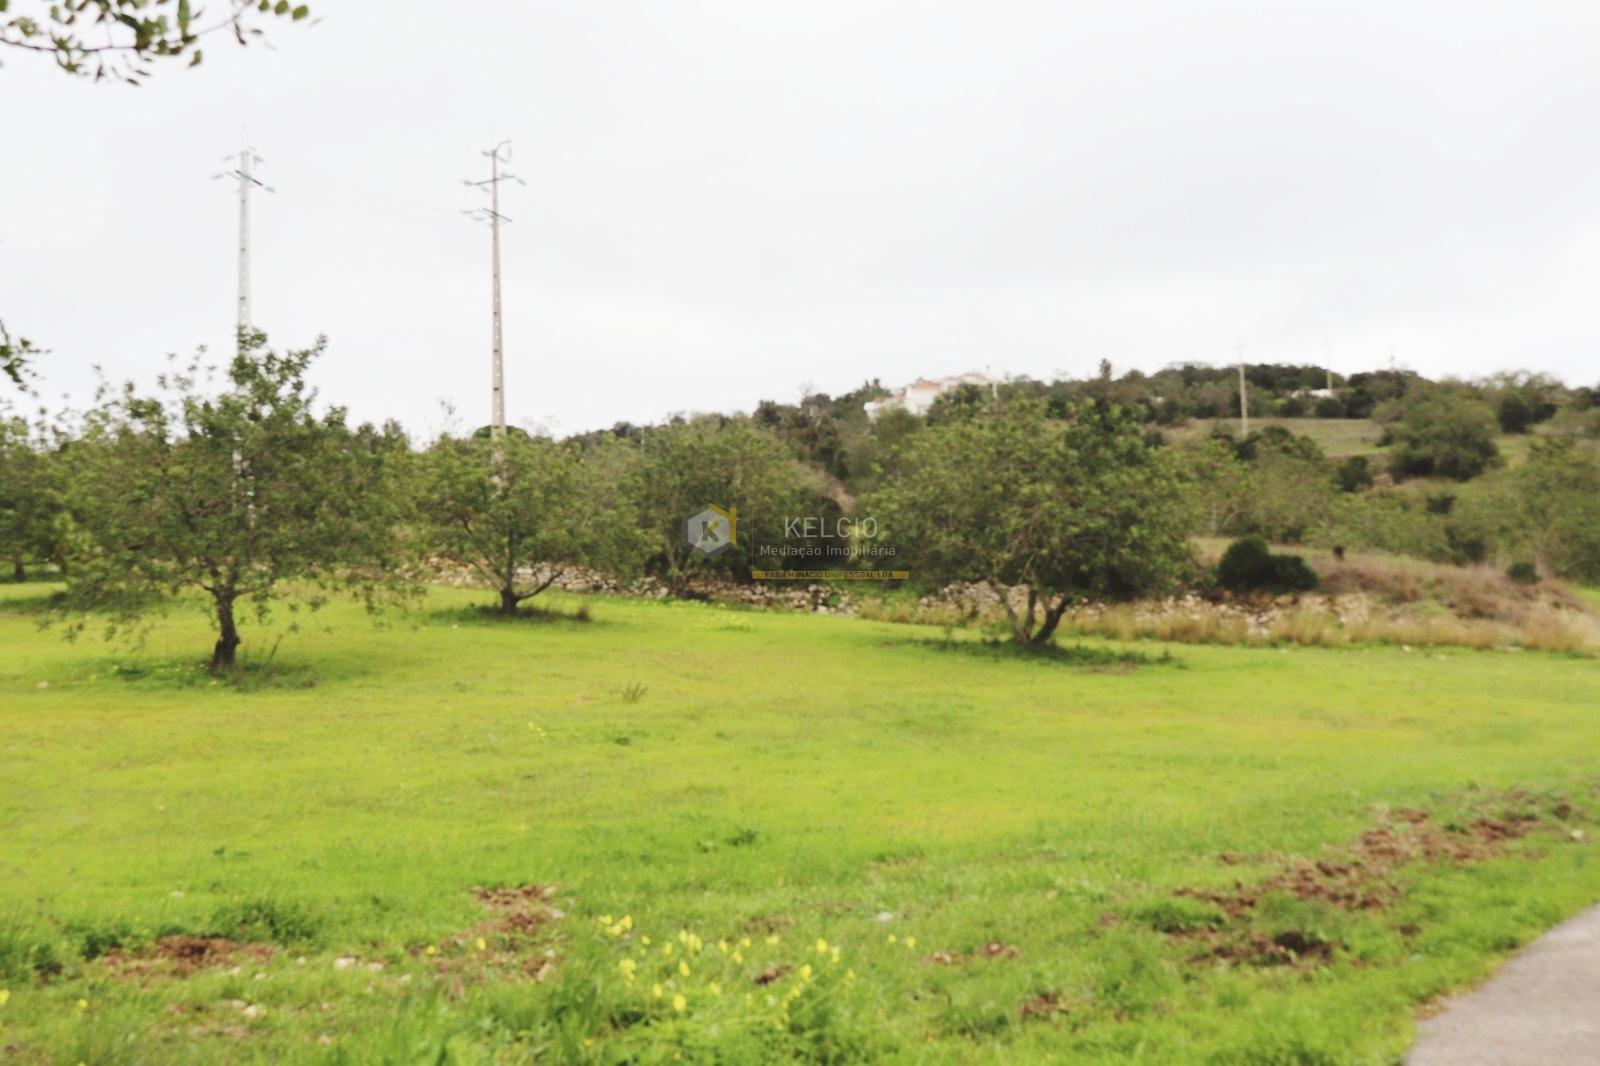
column 730, row 201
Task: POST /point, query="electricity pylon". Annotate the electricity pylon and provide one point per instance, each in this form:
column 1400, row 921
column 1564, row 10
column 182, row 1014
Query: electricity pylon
column 492, row 215
column 245, row 176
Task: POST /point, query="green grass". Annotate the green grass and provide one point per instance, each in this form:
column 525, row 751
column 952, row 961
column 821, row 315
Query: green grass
column 1337, row 437
column 746, row 775
column 1340, row 438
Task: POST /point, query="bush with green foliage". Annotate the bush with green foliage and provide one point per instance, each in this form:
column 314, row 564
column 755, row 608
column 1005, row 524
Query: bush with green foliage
column 1523, row 572
column 1444, row 431
column 1355, row 474
column 1250, row 566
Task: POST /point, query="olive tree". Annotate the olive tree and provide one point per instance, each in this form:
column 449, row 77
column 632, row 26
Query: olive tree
column 731, row 462
column 246, row 495
column 521, row 511
column 1062, row 509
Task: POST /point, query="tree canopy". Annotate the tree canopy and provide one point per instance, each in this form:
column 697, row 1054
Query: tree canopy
column 246, row 495
column 522, row 511
column 1061, row 509
column 124, row 39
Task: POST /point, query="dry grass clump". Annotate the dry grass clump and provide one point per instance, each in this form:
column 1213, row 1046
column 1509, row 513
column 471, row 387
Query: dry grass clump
column 1467, row 591
column 1562, row 631
column 1328, row 623
column 1361, row 600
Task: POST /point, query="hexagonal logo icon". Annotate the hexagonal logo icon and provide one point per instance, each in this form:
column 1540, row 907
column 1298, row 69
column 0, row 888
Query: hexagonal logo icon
column 712, row 529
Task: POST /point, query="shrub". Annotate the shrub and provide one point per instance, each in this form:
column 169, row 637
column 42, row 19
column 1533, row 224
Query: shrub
column 1445, row 431
column 1355, row 474
column 1523, row 572
column 1249, row 565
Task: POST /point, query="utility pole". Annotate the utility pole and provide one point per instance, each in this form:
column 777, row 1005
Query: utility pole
column 492, row 215
column 1244, row 399
column 245, row 176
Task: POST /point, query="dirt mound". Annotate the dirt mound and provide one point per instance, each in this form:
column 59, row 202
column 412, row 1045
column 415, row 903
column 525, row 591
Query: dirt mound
column 180, row 956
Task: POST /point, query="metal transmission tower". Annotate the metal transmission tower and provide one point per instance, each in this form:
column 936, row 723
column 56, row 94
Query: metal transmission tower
column 245, row 176
column 492, row 215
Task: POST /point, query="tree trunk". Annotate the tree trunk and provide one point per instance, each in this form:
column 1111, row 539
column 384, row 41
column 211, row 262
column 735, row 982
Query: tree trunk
column 223, row 655
column 1052, row 618
column 1021, row 623
column 508, row 601
column 18, row 570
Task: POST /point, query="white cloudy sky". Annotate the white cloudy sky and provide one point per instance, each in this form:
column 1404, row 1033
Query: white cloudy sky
column 728, row 201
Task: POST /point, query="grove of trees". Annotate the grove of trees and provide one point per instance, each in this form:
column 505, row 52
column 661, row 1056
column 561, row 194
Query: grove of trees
column 242, row 492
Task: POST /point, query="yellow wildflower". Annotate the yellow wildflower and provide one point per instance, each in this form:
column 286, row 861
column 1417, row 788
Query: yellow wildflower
column 835, row 953
column 715, row 988
column 893, row 938
column 627, row 966
column 626, row 921
column 83, row 1004
column 645, row 940
column 822, row 946
column 911, row 943
column 805, row 972
column 430, row 950
column 744, row 941
column 737, row 956
column 679, row 1003
column 772, row 938
column 605, row 919
column 655, row 990
column 666, row 949
column 481, row 944
column 5, row 994
column 683, row 968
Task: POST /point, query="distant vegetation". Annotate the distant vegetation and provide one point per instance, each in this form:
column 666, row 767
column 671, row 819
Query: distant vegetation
column 1062, row 492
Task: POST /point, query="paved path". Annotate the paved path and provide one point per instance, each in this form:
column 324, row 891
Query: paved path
column 1542, row 1008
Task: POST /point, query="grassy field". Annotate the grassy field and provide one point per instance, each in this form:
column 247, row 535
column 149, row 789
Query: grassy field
column 1337, row 437
column 1342, row 437
column 844, row 841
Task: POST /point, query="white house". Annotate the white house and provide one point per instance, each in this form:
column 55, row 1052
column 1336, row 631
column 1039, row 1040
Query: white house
column 918, row 396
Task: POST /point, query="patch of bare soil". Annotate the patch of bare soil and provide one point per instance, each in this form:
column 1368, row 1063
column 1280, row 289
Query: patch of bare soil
column 994, row 949
column 771, row 973
column 1047, row 1006
column 181, row 956
column 1364, row 874
column 516, row 942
